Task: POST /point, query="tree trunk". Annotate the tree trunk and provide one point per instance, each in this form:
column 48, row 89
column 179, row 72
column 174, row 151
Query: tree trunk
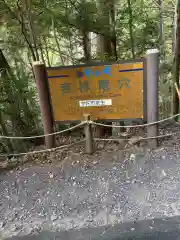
column 104, row 43
column 131, row 28
column 19, row 16
column 161, row 28
column 31, row 27
column 113, row 24
column 57, row 41
column 174, row 29
column 176, row 63
column 107, row 45
column 42, row 52
column 86, row 45
column 47, row 52
column 5, row 133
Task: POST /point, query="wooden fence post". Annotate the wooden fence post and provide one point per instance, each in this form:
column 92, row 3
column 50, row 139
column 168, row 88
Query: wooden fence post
column 89, row 145
column 152, row 58
column 44, row 101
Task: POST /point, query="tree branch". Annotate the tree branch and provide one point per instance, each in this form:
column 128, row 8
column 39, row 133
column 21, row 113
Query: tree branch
column 21, row 23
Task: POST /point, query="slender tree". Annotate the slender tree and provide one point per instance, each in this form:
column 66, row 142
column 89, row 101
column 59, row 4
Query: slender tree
column 131, row 27
column 177, row 62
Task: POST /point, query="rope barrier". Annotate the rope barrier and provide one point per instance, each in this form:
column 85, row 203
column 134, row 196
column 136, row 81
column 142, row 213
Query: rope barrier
column 81, row 141
column 41, row 151
column 134, row 126
column 44, row 135
column 88, row 122
column 138, row 139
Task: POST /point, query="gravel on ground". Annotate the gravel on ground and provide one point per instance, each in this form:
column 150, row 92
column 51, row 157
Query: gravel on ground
column 110, row 187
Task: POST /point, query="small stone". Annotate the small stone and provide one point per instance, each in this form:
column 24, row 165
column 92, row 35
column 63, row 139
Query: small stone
column 90, row 220
column 41, row 214
column 37, row 228
column 51, row 175
column 15, row 228
column 163, row 173
column 75, row 162
column 75, row 225
column 54, row 217
column 95, row 162
column 132, row 157
column 29, row 230
column 134, row 181
column 2, row 224
column 21, row 217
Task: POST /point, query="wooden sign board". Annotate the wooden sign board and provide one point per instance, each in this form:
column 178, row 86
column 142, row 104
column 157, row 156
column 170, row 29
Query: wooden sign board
column 107, row 92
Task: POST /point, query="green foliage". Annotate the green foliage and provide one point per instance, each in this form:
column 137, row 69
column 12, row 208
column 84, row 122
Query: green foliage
column 54, row 32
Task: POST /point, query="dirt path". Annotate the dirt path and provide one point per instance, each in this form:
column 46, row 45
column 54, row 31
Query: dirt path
column 113, row 189
column 36, row 199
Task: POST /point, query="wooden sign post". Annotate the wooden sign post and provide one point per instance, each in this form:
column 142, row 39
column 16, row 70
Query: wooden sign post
column 105, row 91
column 44, row 100
column 89, row 145
column 152, row 58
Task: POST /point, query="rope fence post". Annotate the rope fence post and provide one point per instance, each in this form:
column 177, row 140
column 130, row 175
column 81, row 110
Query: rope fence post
column 152, row 57
column 44, row 101
column 89, row 145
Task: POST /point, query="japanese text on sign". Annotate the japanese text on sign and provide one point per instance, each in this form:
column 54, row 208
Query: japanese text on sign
column 93, row 103
column 104, row 91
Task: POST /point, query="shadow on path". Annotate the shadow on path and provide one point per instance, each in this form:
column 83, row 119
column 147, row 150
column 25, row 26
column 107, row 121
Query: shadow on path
column 167, row 228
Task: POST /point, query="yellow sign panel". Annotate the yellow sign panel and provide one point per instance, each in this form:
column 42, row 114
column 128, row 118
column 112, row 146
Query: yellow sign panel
column 107, row 92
